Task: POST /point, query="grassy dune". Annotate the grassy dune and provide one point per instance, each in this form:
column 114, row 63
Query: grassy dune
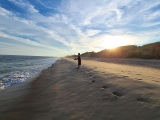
column 149, row 51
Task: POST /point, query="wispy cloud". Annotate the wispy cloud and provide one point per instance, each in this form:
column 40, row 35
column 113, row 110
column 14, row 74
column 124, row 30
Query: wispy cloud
column 25, row 4
column 78, row 25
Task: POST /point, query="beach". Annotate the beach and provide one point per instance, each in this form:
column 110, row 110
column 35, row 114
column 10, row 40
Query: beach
column 97, row 91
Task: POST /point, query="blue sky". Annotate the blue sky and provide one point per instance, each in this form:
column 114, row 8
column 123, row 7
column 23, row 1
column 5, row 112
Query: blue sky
column 50, row 27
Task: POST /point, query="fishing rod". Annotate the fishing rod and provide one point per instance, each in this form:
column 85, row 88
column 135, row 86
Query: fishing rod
column 69, row 51
column 71, row 55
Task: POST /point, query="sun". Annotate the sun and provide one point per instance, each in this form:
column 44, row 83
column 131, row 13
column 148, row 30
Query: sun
column 115, row 41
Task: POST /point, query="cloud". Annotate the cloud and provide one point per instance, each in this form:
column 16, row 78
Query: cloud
column 91, row 32
column 27, row 50
column 25, row 4
column 24, row 27
column 78, row 25
column 26, row 42
column 4, row 12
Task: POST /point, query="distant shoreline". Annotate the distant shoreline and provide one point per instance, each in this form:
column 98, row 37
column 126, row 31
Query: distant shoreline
column 28, row 55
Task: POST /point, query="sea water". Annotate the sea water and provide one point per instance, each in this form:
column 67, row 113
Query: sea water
column 17, row 69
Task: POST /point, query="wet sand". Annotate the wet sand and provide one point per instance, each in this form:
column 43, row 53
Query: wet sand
column 96, row 91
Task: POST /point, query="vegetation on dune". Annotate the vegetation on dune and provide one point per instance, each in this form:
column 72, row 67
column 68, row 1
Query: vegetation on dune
column 149, row 51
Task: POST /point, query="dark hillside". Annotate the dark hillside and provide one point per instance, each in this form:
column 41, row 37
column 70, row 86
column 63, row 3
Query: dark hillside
column 149, row 51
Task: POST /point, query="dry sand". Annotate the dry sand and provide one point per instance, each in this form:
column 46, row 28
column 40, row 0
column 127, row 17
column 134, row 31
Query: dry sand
column 96, row 91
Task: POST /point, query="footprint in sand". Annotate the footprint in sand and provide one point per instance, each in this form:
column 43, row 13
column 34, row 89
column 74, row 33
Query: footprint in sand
column 109, row 97
column 155, row 80
column 144, row 100
column 138, row 74
column 104, row 87
column 92, row 81
column 117, row 93
column 125, row 76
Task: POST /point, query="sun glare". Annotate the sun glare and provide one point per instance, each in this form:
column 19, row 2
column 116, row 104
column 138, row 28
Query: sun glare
column 115, row 41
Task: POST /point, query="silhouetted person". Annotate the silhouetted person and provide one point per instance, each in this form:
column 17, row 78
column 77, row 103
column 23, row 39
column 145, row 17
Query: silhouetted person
column 79, row 60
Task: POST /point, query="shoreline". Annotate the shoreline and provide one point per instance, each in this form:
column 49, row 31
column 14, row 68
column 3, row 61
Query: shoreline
column 28, row 80
column 19, row 69
column 92, row 92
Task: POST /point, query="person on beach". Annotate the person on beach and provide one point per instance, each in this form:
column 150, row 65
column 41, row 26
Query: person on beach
column 79, row 60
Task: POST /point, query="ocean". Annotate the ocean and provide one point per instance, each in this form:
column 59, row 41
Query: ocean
column 17, row 69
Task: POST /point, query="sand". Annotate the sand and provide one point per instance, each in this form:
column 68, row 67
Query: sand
column 96, row 91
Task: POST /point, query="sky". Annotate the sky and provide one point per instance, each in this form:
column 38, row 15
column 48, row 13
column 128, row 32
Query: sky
column 65, row 27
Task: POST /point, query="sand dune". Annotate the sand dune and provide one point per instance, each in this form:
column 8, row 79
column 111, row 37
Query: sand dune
column 96, row 91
